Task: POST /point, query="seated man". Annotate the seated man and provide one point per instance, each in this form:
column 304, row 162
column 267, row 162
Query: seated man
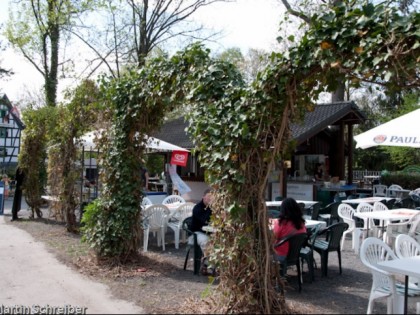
column 200, row 217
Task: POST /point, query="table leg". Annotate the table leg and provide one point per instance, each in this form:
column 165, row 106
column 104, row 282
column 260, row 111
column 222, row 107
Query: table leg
column 405, row 294
column 367, row 228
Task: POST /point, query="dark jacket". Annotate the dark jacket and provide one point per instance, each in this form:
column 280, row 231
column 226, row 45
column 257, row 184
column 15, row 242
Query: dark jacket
column 200, row 216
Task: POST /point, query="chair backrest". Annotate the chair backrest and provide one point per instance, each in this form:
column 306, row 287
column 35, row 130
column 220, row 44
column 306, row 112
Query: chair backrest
column 315, row 211
column 155, row 216
column 314, row 233
column 406, row 202
column 379, row 206
column 146, row 201
column 414, row 230
column 406, row 246
column 364, row 207
column 395, row 186
column 379, row 190
column 332, row 209
column 172, row 199
column 296, row 242
column 392, row 190
column 187, row 225
column 345, row 212
column 183, row 211
column 413, row 221
column 374, row 250
column 334, row 235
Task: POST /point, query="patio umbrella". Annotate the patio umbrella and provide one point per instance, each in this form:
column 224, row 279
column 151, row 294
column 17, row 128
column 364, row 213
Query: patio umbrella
column 403, row 131
column 153, row 144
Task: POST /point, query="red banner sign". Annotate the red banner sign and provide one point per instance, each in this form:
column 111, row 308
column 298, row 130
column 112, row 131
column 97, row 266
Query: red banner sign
column 179, row 158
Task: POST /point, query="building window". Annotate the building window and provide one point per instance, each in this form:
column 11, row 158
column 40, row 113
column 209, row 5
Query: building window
column 3, row 132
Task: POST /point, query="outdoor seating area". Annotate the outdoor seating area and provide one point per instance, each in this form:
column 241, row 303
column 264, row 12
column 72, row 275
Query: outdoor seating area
column 158, row 217
column 383, row 218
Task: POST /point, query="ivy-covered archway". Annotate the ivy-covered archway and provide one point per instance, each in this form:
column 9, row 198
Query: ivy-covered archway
column 241, row 131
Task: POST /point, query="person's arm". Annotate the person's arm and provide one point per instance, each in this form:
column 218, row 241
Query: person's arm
column 278, row 230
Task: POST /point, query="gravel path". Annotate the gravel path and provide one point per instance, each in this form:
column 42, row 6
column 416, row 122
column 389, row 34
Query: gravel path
column 34, row 281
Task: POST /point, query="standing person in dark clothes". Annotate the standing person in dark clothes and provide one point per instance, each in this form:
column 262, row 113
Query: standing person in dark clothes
column 200, row 217
column 17, row 199
column 319, row 173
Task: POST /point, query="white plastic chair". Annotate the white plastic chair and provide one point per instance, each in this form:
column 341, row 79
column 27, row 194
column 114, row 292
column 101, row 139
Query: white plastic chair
column 176, row 219
column 407, row 227
column 379, row 206
column 384, row 285
column 380, row 191
column 173, row 199
column 391, row 191
column 368, row 224
column 345, row 212
column 406, row 246
column 146, row 202
column 155, row 218
column 414, row 230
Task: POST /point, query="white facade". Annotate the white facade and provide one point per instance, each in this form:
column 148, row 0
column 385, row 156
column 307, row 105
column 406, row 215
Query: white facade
column 10, row 133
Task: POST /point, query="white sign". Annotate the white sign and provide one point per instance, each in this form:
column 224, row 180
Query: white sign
column 300, row 191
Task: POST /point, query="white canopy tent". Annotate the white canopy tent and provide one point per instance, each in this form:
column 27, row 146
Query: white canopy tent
column 153, row 144
column 403, row 131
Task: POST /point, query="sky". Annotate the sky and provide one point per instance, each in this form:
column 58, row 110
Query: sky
column 245, row 24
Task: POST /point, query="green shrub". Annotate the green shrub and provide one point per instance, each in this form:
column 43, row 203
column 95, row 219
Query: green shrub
column 406, row 180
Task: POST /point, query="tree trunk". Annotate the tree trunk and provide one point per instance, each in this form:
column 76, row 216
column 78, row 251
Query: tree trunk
column 51, row 73
column 338, row 94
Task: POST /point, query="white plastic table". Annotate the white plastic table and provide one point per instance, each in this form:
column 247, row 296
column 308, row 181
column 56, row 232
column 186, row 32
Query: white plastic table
column 406, row 266
column 387, row 215
column 307, row 203
column 370, row 200
column 312, row 223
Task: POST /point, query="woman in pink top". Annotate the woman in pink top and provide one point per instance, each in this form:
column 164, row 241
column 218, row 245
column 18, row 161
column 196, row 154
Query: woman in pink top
column 290, row 221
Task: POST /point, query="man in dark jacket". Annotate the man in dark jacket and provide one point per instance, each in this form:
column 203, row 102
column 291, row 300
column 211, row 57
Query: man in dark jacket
column 17, row 199
column 200, row 217
column 201, row 212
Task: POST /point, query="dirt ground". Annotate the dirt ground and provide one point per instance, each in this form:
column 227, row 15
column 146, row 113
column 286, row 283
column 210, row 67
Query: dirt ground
column 159, row 284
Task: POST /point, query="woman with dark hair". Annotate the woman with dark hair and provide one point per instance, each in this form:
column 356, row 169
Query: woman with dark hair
column 290, row 221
